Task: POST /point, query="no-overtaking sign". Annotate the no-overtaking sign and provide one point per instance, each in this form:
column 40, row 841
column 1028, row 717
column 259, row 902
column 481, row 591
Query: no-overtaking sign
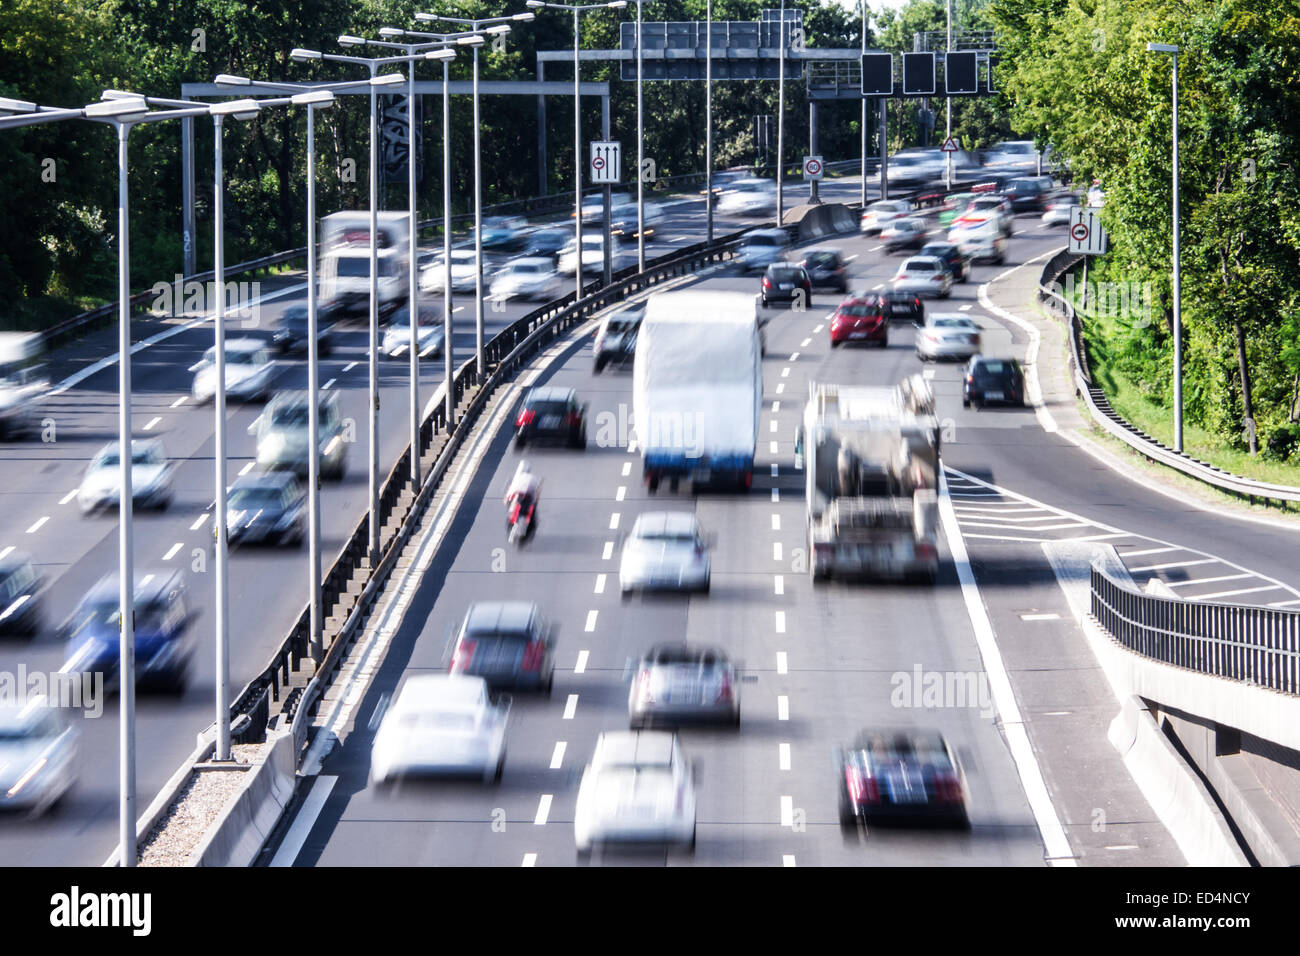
column 1086, row 234
column 606, row 161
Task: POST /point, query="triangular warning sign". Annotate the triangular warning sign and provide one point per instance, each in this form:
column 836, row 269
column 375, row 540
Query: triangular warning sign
column 950, row 145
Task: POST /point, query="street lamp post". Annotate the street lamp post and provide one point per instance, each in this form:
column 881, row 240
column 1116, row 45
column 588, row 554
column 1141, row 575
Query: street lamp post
column 576, row 10
column 780, row 121
column 864, row 110
column 640, row 152
column 1178, row 310
column 496, row 26
column 708, row 117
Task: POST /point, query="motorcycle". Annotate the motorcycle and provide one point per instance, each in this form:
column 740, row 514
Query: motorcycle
column 519, row 522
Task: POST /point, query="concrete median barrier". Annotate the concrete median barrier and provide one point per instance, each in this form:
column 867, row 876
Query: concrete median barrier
column 239, row 832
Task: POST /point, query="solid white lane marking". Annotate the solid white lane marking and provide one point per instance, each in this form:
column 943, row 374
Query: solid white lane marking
column 1004, row 698
column 37, row 526
column 247, row 468
column 328, row 385
column 1224, row 594
column 1274, row 604
column 600, row 584
column 293, row 841
column 1040, row 617
column 144, row 581
column 780, row 622
column 591, row 622
column 613, row 521
column 1172, row 564
column 69, row 496
column 776, row 522
column 530, row 859
column 782, row 662
column 787, row 859
column 783, row 707
column 621, row 493
column 877, row 288
column 180, row 401
column 581, row 666
column 557, row 757
column 152, row 422
column 783, row 756
column 778, row 584
column 1221, row 577
column 776, row 550
column 570, row 706
column 1033, row 389
column 608, row 552
column 627, row 468
column 171, row 552
column 543, row 810
column 199, row 522
column 787, row 811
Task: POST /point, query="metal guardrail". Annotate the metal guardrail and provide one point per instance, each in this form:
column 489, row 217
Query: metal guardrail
column 1257, row 645
column 504, row 354
column 1102, row 412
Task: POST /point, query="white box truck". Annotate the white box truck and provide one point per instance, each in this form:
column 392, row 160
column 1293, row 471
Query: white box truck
column 697, row 385
column 870, row 473
column 345, row 261
column 22, row 381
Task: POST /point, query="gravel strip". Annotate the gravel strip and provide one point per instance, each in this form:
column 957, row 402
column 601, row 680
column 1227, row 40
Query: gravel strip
column 200, row 802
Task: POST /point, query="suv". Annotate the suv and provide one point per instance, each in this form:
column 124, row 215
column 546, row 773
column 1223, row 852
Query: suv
column 551, row 413
column 957, row 261
column 990, row 380
column 1025, row 195
column 507, row 643
column 281, row 432
column 826, row 268
column 163, row 646
column 616, row 339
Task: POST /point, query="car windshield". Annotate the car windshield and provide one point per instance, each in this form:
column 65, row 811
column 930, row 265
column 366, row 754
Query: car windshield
column 242, row 358
column 139, row 456
column 44, row 727
column 104, row 614
column 255, row 499
column 619, row 326
column 859, row 310
column 944, row 250
column 291, row 416
column 17, row 581
column 525, row 268
column 498, row 651
column 445, row 720
column 548, row 407
column 1000, row 370
column 762, row 241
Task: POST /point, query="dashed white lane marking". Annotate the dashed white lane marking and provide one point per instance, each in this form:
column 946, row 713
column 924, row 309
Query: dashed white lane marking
column 1224, row 594
column 613, row 521
column 144, row 581
column 794, row 356
column 199, row 522
column 782, row 662
column 1222, row 577
column 180, row 401
column 621, row 493
column 773, row 447
column 152, row 422
column 1040, row 617
column 773, row 425
column 787, row 811
column 350, row 366
column 778, row 584
column 776, row 522
column 171, row 552
column 818, row 329
column 304, row 821
column 543, row 810
column 1274, row 604
column 787, row 859
column 963, row 308
column 928, row 373
column 246, row 469
column 785, row 372
column 328, row 385
column 774, row 470
column 776, row 407
column 591, row 621
column 530, row 859
column 876, row 249
column 877, row 288
column 783, row 756
column 627, row 468
column 6, row 552
column 780, row 622
column 776, row 494
column 776, row 550
column 805, row 343
column 69, row 496
column 780, row 388
column 581, row 666
column 1137, row 554
column 600, row 584
column 1172, row 564
column 608, row 552
column 557, row 757
column 37, row 526
column 570, row 706
column 783, row 707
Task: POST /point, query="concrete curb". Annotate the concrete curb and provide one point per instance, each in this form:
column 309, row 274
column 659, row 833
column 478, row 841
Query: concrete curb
column 237, row 835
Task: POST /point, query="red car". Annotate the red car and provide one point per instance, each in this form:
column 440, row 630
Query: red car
column 861, row 319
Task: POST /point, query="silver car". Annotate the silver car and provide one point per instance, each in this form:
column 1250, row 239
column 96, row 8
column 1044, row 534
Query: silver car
column 38, row 755
column 430, row 334
column 464, row 273
column 675, row 683
column 947, row 335
column 282, row 439
column 665, row 550
column 151, row 477
column 923, row 275
column 529, row 278
column 249, row 371
column 763, row 247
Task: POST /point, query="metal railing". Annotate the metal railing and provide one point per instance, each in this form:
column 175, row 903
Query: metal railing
column 1110, row 420
column 1257, row 645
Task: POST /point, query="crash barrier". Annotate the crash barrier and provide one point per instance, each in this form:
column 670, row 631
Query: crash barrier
column 400, row 502
column 827, row 219
column 1049, row 286
column 1256, row 645
column 236, row 837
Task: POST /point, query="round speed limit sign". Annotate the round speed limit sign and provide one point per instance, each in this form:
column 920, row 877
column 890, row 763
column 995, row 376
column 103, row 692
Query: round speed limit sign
column 812, row 167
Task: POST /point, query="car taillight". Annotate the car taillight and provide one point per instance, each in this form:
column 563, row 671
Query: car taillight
column 643, row 689
column 464, row 654
column 533, row 656
column 767, row 283
column 947, row 789
column 573, row 418
column 725, row 691
column 926, row 550
column 526, row 417
column 853, row 780
column 916, row 301
column 937, row 278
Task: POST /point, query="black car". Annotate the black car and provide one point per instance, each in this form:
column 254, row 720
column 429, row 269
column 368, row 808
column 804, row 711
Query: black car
column 902, row 776
column 290, row 334
column 993, row 381
column 551, row 413
column 507, row 643
column 547, row 242
column 786, row 283
column 826, row 269
column 20, row 589
column 1026, row 195
column 616, row 340
column 903, row 306
column 268, row 508
column 958, row 262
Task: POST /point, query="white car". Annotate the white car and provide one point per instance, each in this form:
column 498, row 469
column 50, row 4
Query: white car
column 464, row 273
column 923, row 275
column 593, row 254
column 249, row 371
column 665, row 550
column 430, row 334
column 151, row 477
column 879, row 214
column 441, row 724
column 747, row 197
column 907, row 169
column 1060, row 211
column 979, row 237
column 38, row 756
column 947, row 335
column 1017, row 155
column 531, row 278
column 638, row 788
column 996, row 207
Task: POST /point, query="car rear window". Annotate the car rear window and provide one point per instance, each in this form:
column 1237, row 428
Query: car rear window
column 860, row 310
column 826, row 259
column 548, row 407
column 787, row 275
column 919, row 265
column 498, row 651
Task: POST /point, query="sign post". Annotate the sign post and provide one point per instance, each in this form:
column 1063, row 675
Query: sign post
column 1087, row 238
column 812, row 171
